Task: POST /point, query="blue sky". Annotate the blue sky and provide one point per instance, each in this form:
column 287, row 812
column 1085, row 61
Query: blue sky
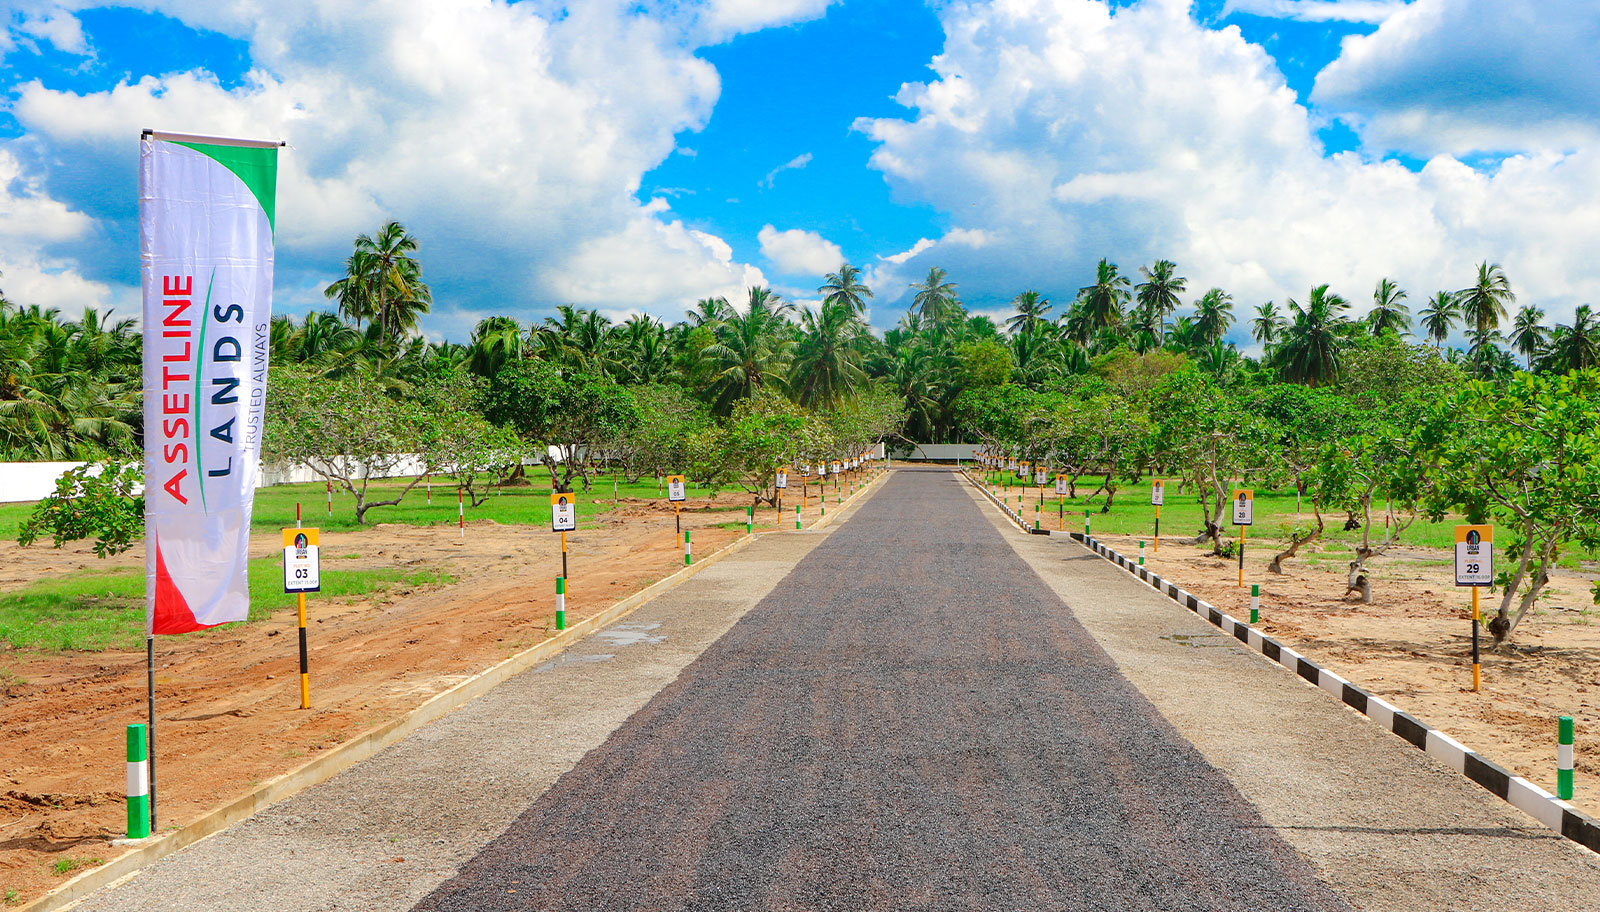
column 638, row 156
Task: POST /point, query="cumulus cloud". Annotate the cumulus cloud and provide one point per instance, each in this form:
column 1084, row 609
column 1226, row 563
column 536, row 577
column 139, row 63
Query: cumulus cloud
column 1368, row 11
column 799, row 251
column 31, row 222
column 726, row 18
column 1065, row 132
column 510, row 138
column 1464, row 76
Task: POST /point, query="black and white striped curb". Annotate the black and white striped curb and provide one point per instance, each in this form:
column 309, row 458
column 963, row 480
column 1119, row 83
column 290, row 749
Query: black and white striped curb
column 999, row 503
column 1558, row 815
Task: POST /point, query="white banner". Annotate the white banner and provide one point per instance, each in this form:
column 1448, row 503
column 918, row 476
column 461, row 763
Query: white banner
column 206, row 218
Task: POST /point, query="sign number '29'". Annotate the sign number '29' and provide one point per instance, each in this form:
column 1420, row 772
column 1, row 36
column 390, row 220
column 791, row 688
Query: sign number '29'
column 1474, row 556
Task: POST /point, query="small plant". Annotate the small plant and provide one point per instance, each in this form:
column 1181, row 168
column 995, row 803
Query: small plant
column 95, row 501
column 65, row 865
column 13, row 896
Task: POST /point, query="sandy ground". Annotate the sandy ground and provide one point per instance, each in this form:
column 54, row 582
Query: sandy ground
column 228, row 715
column 1412, row 646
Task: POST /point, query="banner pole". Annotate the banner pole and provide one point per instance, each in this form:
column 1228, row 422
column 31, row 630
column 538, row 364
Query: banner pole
column 150, row 701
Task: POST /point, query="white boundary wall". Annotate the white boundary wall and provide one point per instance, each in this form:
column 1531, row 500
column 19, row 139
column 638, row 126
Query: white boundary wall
column 943, row 452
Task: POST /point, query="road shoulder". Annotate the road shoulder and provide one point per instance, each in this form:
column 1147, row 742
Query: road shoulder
column 1383, row 824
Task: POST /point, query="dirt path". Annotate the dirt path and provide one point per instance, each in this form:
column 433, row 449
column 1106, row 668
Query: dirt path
column 1412, row 646
column 228, row 699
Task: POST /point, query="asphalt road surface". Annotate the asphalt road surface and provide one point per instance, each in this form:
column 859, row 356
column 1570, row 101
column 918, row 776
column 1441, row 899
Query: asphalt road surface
column 910, row 720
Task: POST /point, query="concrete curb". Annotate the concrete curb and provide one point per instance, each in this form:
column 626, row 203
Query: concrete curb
column 1544, row 807
column 376, row 739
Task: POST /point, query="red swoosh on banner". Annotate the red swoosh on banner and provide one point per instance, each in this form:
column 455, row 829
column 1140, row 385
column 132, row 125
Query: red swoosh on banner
column 172, row 614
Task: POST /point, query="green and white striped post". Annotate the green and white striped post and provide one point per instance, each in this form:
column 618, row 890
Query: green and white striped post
column 797, row 518
column 138, row 782
column 1255, row 603
column 1141, row 553
column 749, row 520
column 561, row 603
column 1036, row 509
column 1085, row 522
column 1564, row 759
column 688, row 556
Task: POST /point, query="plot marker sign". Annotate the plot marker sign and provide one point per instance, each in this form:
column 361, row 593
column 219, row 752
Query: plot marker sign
column 1475, row 569
column 677, row 493
column 1244, row 516
column 1158, row 494
column 302, row 573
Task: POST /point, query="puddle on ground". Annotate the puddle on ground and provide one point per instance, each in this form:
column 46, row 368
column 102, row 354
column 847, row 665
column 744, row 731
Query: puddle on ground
column 568, row 659
column 631, row 635
column 1201, row 640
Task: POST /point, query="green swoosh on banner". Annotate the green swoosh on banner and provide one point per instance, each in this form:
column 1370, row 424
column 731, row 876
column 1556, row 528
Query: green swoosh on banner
column 205, row 317
column 256, row 167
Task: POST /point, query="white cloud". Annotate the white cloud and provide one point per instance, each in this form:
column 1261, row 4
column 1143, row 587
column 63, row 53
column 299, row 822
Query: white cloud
column 1463, row 76
column 1064, row 133
column 793, row 164
column 510, row 138
column 58, row 27
column 30, row 222
column 799, row 251
column 726, row 18
column 1368, row 11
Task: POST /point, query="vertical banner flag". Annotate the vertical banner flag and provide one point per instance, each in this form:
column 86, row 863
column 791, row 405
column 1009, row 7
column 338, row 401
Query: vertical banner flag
column 206, row 209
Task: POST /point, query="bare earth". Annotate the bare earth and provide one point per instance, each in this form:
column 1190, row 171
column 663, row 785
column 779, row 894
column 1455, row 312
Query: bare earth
column 228, row 699
column 1413, row 647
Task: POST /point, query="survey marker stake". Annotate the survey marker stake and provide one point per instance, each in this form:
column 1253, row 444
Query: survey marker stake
column 1564, row 757
column 139, row 782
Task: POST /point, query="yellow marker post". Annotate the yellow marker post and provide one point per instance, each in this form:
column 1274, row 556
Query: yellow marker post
column 302, row 573
column 1158, row 493
column 1475, row 568
column 563, row 519
column 1244, row 515
column 1061, row 502
column 677, row 492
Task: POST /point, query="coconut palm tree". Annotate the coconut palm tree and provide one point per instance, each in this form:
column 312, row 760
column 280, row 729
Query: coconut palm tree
column 1104, row 301
column 1158, row 294
column 1387, row 313
column 1483, row 305
column 751, row 350
column 1310, row 350
column 1528, row 334
column 827, row 362
column 844, row 287
column 1268, row 324
column 709, row 312
column 1439, row 317
column 1031, row 309
column 1574, row 347
column 496, row 342
column 936, row 300
column 1213, row 314
column 383, row 283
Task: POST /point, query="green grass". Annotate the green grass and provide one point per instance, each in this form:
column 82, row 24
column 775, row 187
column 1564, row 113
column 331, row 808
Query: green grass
column 515, row 505
column 1132, row 514
column 12, row 516
column 95, row 610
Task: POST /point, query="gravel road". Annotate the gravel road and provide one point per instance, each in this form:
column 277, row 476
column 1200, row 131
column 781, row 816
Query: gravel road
column 910, row 721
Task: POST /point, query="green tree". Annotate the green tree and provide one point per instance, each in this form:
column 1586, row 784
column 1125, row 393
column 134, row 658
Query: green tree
column 1523, row 457
column 1483, row 305
column 936, row 301
column 1528, row 335
column 383, row 283
column 1440, row 316
column 750, row 351
column 1388, row 314
column 1159, row 294
column 844, row 288
column 1103, row 302
column 1268, row 324
column 1213, row 314
column 827, row 361
column 1310, row 349
column 1575, row 347
column 564, row 416
column 1031, row 308
column 98, row 501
